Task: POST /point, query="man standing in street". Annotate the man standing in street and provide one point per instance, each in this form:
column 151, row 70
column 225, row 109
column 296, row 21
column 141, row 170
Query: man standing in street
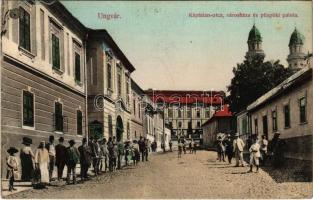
column 85, row 159
column 95, row 151
column 51, row 150
column 238, row 146
column 72, row 158
column 60, row 153
column 142, row 148
column 170, row 144
column 146, row 148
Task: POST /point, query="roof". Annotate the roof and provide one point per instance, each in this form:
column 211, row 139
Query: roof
column 223, row 113
column 254, row 34
column 103, row 34
column 186, row 96
column 296, row 38
column 285, row 85
column 136, row 87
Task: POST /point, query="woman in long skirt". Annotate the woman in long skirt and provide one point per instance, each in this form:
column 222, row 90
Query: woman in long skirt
column 41, row 163
column 27, row 156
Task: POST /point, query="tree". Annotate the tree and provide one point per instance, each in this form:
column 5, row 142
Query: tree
column 252, row 79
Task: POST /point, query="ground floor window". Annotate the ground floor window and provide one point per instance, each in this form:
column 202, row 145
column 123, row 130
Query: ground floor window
column 28, row 109
column 58, row 116
column 79, row 119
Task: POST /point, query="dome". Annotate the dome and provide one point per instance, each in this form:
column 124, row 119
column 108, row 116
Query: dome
column 254, row 35
column 296, row 38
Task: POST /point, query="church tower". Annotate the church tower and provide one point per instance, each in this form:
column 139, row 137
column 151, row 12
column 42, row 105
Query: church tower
column 254, row 43
column 296, row 57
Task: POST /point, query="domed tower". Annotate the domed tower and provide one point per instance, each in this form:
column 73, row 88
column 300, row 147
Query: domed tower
column 296, row 57
column 254, row 43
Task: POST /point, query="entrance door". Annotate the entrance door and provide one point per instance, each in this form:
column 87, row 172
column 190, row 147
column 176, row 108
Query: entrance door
column 265, row 126
column 119, row 129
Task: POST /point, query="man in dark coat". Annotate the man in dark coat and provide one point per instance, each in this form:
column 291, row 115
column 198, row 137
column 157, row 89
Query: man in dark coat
column 142, row 148
column 85, row 159
column 60, row 154
column 72, row 158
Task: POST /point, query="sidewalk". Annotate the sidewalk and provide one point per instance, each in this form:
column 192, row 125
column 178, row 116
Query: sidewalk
column 22, row 186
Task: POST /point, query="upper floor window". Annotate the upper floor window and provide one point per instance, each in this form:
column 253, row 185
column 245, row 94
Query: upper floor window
column 119, row 81
column 179, row 113
column 198, row 124
column 189, row 113
column 109, row 76
column 24, row 29
column 134, row 106
column 170, row 113
column 302, row 108
column 139, row 111
column 77, row 68
column 287, row 116
column 55, row 52
column 28, row 109
column 79, row 118
column 198, row 113
column 58, row 116
column 179, row 124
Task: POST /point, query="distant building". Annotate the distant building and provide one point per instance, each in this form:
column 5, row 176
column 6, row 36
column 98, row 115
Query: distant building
column 254, row 43
column 186, row 111
column 220, row 122
column 296, row 57
column 138, row 112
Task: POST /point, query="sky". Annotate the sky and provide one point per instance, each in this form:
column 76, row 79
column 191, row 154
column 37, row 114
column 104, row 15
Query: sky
column 171, row 50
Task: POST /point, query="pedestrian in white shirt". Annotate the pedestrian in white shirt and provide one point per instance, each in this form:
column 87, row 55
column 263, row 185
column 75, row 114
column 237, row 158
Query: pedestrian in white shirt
column 255, row 155
column 238, row 145
column 264, row 146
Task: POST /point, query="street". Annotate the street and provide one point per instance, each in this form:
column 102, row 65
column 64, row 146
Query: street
column 166, row 176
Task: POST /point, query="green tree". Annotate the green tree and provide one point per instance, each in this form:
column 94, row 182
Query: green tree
column 252, row 79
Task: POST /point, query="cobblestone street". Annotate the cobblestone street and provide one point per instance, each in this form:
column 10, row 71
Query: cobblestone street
column 166, row 176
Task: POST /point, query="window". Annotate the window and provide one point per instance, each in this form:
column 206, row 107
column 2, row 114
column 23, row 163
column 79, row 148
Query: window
column 198, row 124
column 110, row 126
column 28, row 109
column 127, row 91
column 139, row 110
column 58, row 117
column 77, row 67
column 198, row 113
column 170, row 113
column 207, row 113
column 170, row 124
column 179, row 124
column 135, row 134
column 302, row 107
column 119, row 81
column 287, row 116
column 189, row 113
column 55, row 52
column 24, row 29
column 256, row 126
column 79, row 118
column 274, row 119
column 128, row 131
column 179, row 112
column 109, row 76
column 134, row 105
column 265, row 126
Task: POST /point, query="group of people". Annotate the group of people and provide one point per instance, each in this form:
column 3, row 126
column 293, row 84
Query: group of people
column 258, row 150
column 182, row 146
column 104, row 155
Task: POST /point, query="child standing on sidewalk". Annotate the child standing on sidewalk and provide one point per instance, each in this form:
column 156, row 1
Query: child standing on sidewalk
column 12, row 167
column 255, row 155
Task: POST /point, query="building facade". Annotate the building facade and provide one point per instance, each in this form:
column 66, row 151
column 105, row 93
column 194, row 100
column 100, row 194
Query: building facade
column 137, row 114
column 287, row 110
column 186, row 111
column 109, row 87
column 43, row 75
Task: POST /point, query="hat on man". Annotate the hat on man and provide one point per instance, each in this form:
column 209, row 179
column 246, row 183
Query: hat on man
column 71, row 142
column 61, row 139
column 12, row 150
column 27, row 141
